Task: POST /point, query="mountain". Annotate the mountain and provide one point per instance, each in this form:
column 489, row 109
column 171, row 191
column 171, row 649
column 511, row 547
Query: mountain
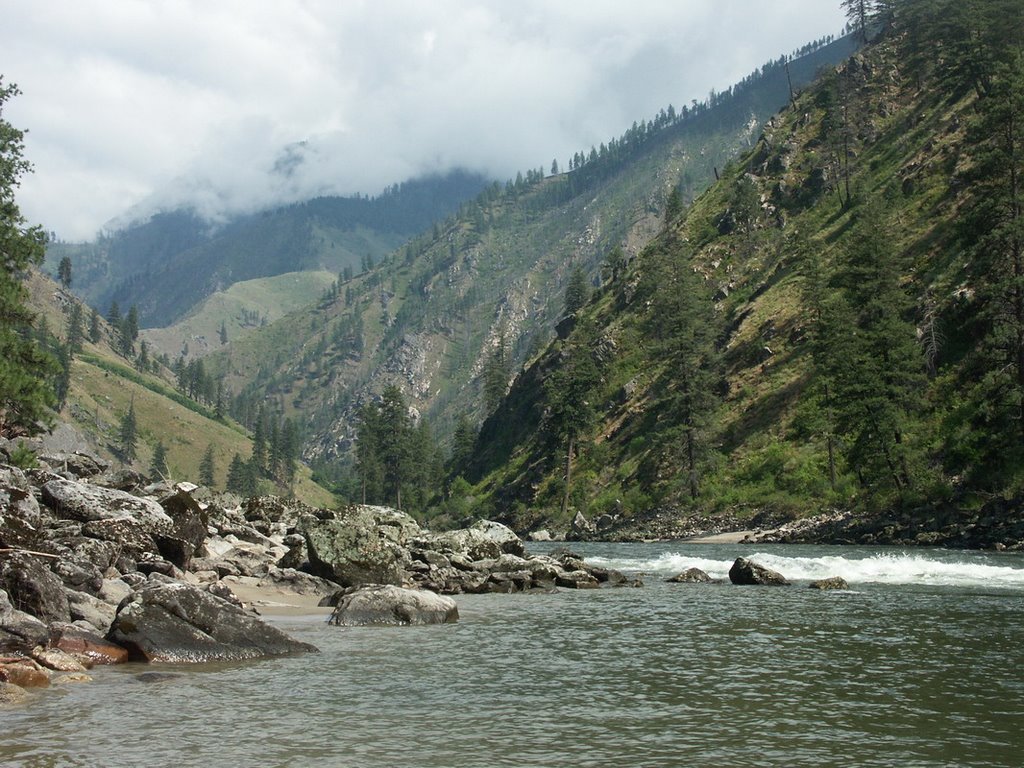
column 837, row 323
column 431, row 315
column 168, row 264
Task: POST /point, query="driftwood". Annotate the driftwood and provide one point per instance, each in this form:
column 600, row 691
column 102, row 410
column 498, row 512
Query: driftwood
column 9, row 550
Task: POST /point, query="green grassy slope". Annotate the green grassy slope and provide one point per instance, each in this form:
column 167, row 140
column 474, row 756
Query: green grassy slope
column 104, row 386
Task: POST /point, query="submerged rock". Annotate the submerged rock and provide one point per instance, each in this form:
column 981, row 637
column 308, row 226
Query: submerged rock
column 388, row 605
column 747, row 572
column 833, row 582
column 175, row 622
column 690, row 576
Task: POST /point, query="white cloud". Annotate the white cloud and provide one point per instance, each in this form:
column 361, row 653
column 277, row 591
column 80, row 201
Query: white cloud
column 145, row 103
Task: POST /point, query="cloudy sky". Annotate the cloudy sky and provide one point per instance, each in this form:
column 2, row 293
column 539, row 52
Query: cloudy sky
column 233, row 105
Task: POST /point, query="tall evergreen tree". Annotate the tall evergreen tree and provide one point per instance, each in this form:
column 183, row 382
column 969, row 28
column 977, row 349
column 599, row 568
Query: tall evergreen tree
column 64, row 272
column 368, row 463
column 94, row 327
column 128, row 434
column 76, row 329
column 993, row 233
column 873, row 356
column 25, row 367
column 577, row 292
column 495, row 376
column 158, row 466
column 207, row 468
column 568, row 392
column 684, row 326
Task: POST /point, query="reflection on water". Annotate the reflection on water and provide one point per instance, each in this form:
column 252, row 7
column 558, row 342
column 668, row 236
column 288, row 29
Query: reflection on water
column 917, row 670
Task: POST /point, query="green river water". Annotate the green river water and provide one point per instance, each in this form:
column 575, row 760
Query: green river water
column 921, row 663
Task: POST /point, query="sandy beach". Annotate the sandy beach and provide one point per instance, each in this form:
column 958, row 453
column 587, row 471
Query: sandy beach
column 273, row 600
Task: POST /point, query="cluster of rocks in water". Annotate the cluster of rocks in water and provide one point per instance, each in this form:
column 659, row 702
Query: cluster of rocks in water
column 97, row 566
column 746, row 572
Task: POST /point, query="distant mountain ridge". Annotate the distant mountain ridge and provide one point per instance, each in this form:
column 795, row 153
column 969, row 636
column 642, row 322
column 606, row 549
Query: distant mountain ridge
column 168, row 264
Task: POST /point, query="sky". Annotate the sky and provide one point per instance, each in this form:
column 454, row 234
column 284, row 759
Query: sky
column 232, row 106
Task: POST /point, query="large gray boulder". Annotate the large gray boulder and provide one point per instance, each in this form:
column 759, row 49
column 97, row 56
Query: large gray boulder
column 361, row 545
column 174, row 622
column 388, row 605
column 19, row 631
column 33, row 588
column 747, row 572
column 90, row 503
column 20, row 517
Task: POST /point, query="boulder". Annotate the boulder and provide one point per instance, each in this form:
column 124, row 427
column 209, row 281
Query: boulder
column 501, row 535
column 190, row 525
column 361, row 545
column 57, row 660
column 576, row 580
column 19, row 631
column 174, row 622
column 12, row 694
column 88, row 648
column 388, row 605
column 90, row 503
column 581, row 528
column 92, row 610
column 832, row 582
column 20, row 516
column 24, row 673
column 690, row 576
column 747, row 572
column 32, row 587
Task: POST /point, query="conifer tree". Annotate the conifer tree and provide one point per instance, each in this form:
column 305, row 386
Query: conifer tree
column 76, row 329
column 128, row 434
column 683, row 326
column 64, row 272
column 568, row 393
column 94, row 327
column 206, row 467
column 158, row 466
column 25, row 367
column 577, row 292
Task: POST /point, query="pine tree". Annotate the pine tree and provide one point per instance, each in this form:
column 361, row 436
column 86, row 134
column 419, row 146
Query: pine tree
column 993, row 233
column 495, row 376
column 577, row 292
column 76, row 329
column 239, row 479
column 158, row 466
column 64, row 272
column 94, row 327
column 872, row 356
column 223, row 332
column 206, row 467
column 684, row 326
column 394, row 442
column 128, row 434
column 568, row 393
column 25, row 367
column 368, row 463
column 463, row 444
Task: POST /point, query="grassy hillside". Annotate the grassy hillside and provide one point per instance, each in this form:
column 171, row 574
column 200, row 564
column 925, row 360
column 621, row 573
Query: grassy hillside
column 239, row 310
column 837, row 265
column 104, row 386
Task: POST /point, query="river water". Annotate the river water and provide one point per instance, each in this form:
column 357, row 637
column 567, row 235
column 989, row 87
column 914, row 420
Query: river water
column 920, row 664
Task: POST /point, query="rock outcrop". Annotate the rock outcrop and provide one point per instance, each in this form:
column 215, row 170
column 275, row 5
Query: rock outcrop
column 175, row 622
column 388, row 605
column 747, row 572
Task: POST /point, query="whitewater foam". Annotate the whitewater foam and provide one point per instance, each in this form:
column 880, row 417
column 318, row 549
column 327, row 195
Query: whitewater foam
column 880, row 568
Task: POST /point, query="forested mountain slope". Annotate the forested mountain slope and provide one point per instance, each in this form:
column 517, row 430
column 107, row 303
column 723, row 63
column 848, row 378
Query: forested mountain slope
column 838, row 322
column 472, row 298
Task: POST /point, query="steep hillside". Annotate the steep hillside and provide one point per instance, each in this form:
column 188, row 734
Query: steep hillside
column 836, row 323
column 431, row 316
column 168, row 264
column 240, row 310
column 104, row 386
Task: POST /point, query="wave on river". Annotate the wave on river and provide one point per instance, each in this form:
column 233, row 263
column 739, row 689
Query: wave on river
column 946, row 569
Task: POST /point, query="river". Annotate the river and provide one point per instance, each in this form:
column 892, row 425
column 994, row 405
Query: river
column 921, row 663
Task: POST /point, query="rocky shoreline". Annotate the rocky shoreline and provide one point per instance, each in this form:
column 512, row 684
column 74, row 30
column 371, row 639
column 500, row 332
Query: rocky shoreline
column 99, row 566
